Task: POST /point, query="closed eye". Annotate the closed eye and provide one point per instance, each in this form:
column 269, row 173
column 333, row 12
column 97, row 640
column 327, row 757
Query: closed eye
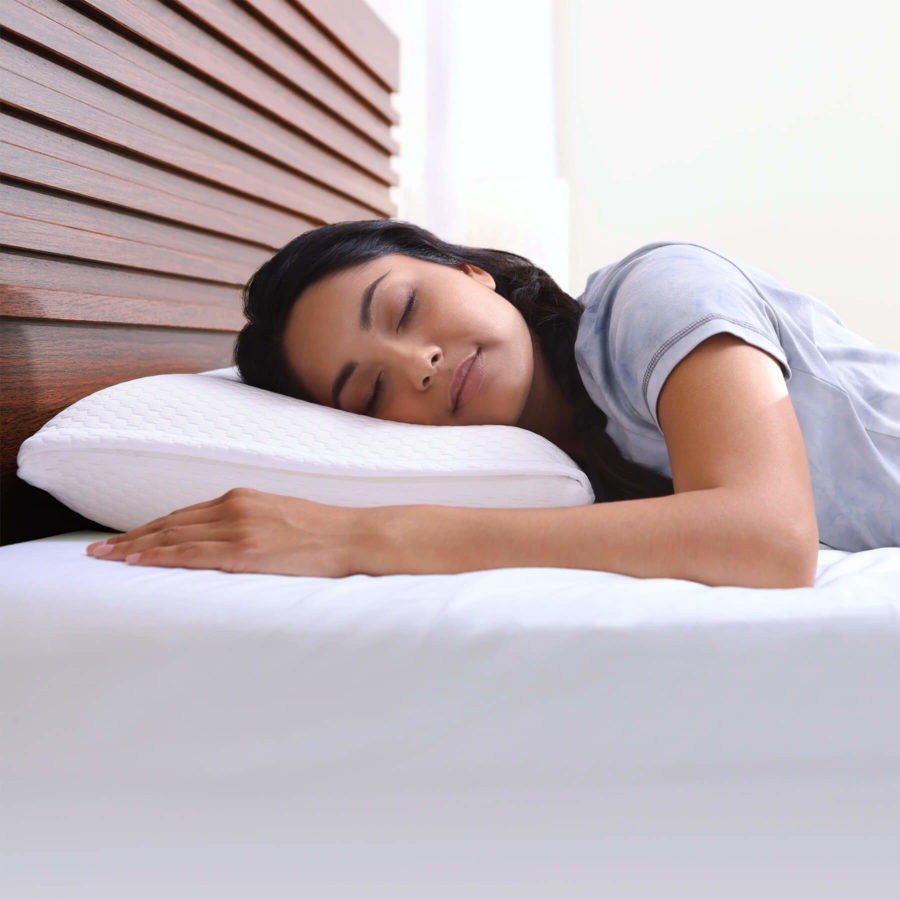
column 370, row 406
column 410, row 304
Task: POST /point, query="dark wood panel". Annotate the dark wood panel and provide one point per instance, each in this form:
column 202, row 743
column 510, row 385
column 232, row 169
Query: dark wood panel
column 182, row 38
column 232, row 23
column 224, row 259
column 298, row 29
column 137, row 241
column 22, row 269
column 79, row 306
column 33, row 84
column 48, row 237
column 47, row 366
column 361, row 32
column 60, row 160
column 81, row 40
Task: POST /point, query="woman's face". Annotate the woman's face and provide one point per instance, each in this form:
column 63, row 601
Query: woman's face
column 420, row 321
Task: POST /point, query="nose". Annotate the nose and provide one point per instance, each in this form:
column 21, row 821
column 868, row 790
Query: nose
column 426, row 367
column 422, row 366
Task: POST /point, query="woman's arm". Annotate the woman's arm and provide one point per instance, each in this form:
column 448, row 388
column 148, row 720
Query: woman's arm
column 742, row 513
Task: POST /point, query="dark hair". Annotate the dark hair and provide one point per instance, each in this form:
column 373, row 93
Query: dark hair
column 549, row 311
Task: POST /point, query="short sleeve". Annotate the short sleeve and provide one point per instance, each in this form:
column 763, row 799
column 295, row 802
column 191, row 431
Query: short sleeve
column 672, row 299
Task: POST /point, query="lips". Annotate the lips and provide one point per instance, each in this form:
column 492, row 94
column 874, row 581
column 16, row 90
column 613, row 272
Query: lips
column 459, row 377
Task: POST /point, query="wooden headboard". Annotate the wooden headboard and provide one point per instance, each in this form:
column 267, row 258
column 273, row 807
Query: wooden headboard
column 155, row 153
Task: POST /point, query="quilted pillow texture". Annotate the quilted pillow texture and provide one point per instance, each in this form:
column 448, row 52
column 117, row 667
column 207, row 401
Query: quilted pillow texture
column 141, row 449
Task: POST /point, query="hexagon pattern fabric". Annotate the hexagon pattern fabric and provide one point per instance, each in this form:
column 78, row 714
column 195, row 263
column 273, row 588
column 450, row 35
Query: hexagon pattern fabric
column 141, row 449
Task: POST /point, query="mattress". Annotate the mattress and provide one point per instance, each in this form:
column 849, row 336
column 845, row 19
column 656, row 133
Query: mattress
column 530, row 732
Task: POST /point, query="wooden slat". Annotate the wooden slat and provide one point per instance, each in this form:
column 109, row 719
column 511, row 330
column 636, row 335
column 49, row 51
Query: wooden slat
column 59, row 160
column 104, row 113
column 298, row 29
column 233, row 24
column 32, row 220
column 359, row 30
column 38, row 386
column 48, row 273
column 35, row 235
column 179, row 36
column 141, row 128
column 234, row 256
column 81, row 40
column 40, row 286
column 77, row 306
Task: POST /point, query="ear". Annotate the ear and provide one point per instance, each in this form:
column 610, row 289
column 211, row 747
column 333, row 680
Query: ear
column 479, row 275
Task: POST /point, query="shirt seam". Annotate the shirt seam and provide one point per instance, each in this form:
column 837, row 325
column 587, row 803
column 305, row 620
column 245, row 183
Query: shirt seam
column 651, row 366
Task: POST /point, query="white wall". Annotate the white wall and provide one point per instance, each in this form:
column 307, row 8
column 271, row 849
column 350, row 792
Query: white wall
column 769, row 130
column 772, row 134
column 478, row 162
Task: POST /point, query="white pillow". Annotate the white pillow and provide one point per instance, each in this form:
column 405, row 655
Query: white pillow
column 141, row 449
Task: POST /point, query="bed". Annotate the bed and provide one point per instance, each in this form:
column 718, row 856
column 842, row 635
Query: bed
column 530, row 732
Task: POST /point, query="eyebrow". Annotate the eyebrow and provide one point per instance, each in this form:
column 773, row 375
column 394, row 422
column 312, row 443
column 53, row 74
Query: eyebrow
column 365, row 324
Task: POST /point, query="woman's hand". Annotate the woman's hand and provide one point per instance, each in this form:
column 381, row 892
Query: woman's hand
column 245, row 531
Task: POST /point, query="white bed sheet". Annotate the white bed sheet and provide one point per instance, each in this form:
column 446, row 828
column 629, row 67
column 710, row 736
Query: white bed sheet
column 515, row 732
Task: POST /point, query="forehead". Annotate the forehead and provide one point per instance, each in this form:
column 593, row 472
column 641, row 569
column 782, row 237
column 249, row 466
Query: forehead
column 357, row 277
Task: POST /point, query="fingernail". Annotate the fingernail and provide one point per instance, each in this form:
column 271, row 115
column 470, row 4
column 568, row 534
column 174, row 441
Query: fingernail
column 100, row 549
column 133, row 558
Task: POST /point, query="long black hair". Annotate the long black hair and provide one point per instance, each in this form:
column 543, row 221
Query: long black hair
column 549, row 311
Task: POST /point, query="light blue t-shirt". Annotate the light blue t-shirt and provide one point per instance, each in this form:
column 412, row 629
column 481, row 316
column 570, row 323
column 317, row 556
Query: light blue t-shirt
column 645, row 313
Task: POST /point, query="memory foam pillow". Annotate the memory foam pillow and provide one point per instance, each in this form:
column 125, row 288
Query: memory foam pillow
column 141, row 449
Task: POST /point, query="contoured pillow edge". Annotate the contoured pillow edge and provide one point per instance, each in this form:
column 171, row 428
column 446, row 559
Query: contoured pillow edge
column 140, row 449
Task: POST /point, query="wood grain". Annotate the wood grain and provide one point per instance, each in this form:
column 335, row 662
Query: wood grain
column 233, row 24
column 94, row 231
column 184, row 37
column 295, row 27
column 39, row 286
column 51, row 91
column 81, row 40
column 154, row 154
column 59, row 159
column 356, row 27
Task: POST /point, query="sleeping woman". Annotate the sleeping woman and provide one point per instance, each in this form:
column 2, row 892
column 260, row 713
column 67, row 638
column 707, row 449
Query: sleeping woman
column 727, row 423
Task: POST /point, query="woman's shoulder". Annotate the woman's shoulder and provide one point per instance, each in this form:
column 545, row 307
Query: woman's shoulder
column 670, row 262
column 650, row 310
column 665, row 298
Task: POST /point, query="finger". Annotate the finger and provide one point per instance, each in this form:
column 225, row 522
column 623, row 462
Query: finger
column 199, row 512
column 190, row 555
column 167, row 536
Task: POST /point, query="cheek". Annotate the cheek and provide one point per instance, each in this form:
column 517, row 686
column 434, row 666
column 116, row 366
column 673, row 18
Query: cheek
column 413, row 408
column 522, row 345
